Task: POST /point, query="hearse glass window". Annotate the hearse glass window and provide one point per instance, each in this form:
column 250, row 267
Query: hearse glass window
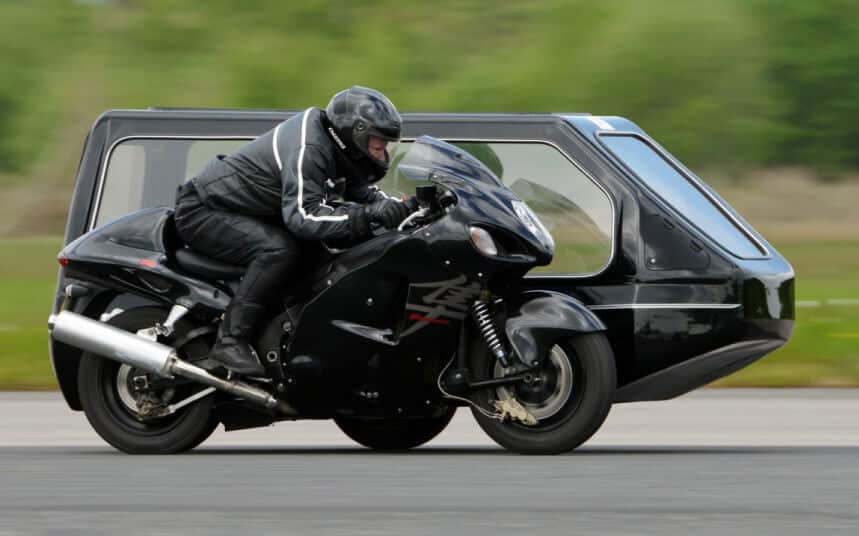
column 573, row 208
column 681, row 193
column 145, row 173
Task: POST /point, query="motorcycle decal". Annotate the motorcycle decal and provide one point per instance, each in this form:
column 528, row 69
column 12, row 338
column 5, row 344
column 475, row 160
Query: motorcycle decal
column 450, row 298
column 422, row 318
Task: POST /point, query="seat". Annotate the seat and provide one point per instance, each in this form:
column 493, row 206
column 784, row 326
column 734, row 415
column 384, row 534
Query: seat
column 207, row 267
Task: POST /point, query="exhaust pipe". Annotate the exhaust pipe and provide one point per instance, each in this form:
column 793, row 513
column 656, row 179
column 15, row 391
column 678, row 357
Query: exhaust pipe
column 113, row 343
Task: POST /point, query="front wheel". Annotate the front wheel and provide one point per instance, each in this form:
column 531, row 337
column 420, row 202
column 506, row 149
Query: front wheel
column 110, row 400
column 570, row 396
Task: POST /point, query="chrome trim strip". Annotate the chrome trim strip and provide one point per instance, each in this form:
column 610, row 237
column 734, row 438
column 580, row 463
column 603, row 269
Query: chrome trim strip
column 664, row 306
column 696, row 182
column 541, row 275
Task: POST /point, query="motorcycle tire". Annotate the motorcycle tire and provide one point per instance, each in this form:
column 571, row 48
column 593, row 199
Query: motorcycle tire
column 574, row 405
column 394, row 433
column 106, row 404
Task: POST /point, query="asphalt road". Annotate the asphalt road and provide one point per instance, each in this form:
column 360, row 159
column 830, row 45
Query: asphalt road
column 715, row 462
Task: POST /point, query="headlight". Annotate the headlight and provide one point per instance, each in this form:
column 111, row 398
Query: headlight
column 533, row 223
column 482, row 240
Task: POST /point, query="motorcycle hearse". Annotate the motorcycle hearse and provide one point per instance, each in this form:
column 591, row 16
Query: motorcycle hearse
column 558, row 264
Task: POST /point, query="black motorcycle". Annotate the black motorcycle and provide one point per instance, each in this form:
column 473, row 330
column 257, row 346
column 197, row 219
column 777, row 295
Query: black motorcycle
column 387, row 338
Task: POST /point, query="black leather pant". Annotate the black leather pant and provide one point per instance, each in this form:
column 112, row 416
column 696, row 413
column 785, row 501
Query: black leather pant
column 269, row 251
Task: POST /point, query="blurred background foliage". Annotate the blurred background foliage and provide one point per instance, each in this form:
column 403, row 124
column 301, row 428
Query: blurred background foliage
column 758, row 82
column 762, row 96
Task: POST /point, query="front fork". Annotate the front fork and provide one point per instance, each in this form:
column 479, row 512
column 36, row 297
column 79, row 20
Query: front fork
column 458, row 384
column 482, row 315
column 459, row 379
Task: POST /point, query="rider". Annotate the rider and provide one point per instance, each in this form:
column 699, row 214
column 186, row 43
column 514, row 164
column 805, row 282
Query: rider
column 316, row 171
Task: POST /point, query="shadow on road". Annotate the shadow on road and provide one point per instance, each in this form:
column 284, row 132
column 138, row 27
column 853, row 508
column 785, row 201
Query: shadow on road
column 601, row 451
column 497, row 451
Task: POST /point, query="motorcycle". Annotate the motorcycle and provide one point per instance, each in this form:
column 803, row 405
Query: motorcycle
column 387, row 338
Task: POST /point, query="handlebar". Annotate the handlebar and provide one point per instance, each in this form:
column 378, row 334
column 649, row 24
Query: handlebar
column 423, row 211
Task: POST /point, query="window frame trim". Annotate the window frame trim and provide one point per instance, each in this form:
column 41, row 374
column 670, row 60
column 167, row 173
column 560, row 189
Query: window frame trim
column 96, row 205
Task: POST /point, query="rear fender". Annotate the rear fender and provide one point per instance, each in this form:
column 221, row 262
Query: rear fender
column 541, row 318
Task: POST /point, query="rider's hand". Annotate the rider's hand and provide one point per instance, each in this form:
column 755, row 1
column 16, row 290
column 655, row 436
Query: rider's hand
column 388, row 212
column 412, row 204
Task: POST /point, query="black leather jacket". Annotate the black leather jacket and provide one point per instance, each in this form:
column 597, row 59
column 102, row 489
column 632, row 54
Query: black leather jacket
column 295, row 169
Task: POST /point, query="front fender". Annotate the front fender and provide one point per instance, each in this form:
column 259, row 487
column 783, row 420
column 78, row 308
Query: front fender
column 542, row 317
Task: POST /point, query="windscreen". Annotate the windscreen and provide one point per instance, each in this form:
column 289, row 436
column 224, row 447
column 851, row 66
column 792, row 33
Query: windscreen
column 428, row 157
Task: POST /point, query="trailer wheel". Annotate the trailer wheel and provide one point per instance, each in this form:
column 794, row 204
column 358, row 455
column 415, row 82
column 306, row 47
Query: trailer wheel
column 109, row 399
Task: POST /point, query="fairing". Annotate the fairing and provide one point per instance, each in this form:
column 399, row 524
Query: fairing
column 482, row 199
column 133, row 254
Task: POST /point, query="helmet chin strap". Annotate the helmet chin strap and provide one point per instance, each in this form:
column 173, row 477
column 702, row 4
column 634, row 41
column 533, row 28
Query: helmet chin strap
column 375, row 171
column 353, row 170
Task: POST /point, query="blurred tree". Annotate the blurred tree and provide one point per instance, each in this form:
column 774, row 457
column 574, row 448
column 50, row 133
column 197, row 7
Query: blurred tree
column 735, row 82
column 813, row 54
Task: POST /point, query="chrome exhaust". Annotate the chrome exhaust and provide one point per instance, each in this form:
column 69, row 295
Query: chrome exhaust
column 113, row 343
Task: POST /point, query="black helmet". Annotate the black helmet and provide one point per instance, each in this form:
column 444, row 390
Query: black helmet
column 355, row 115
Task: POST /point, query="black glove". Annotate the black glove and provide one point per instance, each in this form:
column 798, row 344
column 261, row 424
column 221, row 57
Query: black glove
column 412, row 204
column 359, row 222
column 389, row 212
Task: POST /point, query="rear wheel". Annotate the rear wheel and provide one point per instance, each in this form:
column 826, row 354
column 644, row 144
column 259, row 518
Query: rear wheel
column 110, row 397
column 394, row 433
column 570, row 396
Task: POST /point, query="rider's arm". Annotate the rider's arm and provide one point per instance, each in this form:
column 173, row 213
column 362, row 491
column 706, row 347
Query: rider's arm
column 305, row 212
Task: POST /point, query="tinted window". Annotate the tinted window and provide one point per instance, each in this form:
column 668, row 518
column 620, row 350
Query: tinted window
column 679, row 192
column 575, row 210
column 146, row 172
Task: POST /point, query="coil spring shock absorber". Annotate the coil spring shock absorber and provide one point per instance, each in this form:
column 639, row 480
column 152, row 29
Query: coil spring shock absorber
column 483, row 318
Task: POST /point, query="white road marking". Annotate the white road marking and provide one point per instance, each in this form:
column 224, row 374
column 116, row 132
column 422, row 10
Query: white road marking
column 848, row 302
column 833, row 302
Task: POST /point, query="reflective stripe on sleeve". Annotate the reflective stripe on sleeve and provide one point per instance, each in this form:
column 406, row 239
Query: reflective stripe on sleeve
column 300, row 176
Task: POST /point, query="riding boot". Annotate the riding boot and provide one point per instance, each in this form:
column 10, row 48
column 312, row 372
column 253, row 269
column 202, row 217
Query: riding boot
column 232, row 348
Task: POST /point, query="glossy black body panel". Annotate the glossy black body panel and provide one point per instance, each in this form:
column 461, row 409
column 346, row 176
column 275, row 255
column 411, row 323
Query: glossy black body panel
column 133, row 254
column 670, row 294
column 676, row 295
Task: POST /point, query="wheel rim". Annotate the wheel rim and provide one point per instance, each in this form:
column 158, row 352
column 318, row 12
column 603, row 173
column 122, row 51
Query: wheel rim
column 121, row 402
column 123, row 377
column 124, row 383
column 550, row 389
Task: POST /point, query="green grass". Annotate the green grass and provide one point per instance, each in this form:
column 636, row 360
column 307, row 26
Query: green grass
column 28, row 278
column 824, row 350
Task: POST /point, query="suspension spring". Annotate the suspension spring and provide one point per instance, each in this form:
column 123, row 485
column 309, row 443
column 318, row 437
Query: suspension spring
column 483, row 318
